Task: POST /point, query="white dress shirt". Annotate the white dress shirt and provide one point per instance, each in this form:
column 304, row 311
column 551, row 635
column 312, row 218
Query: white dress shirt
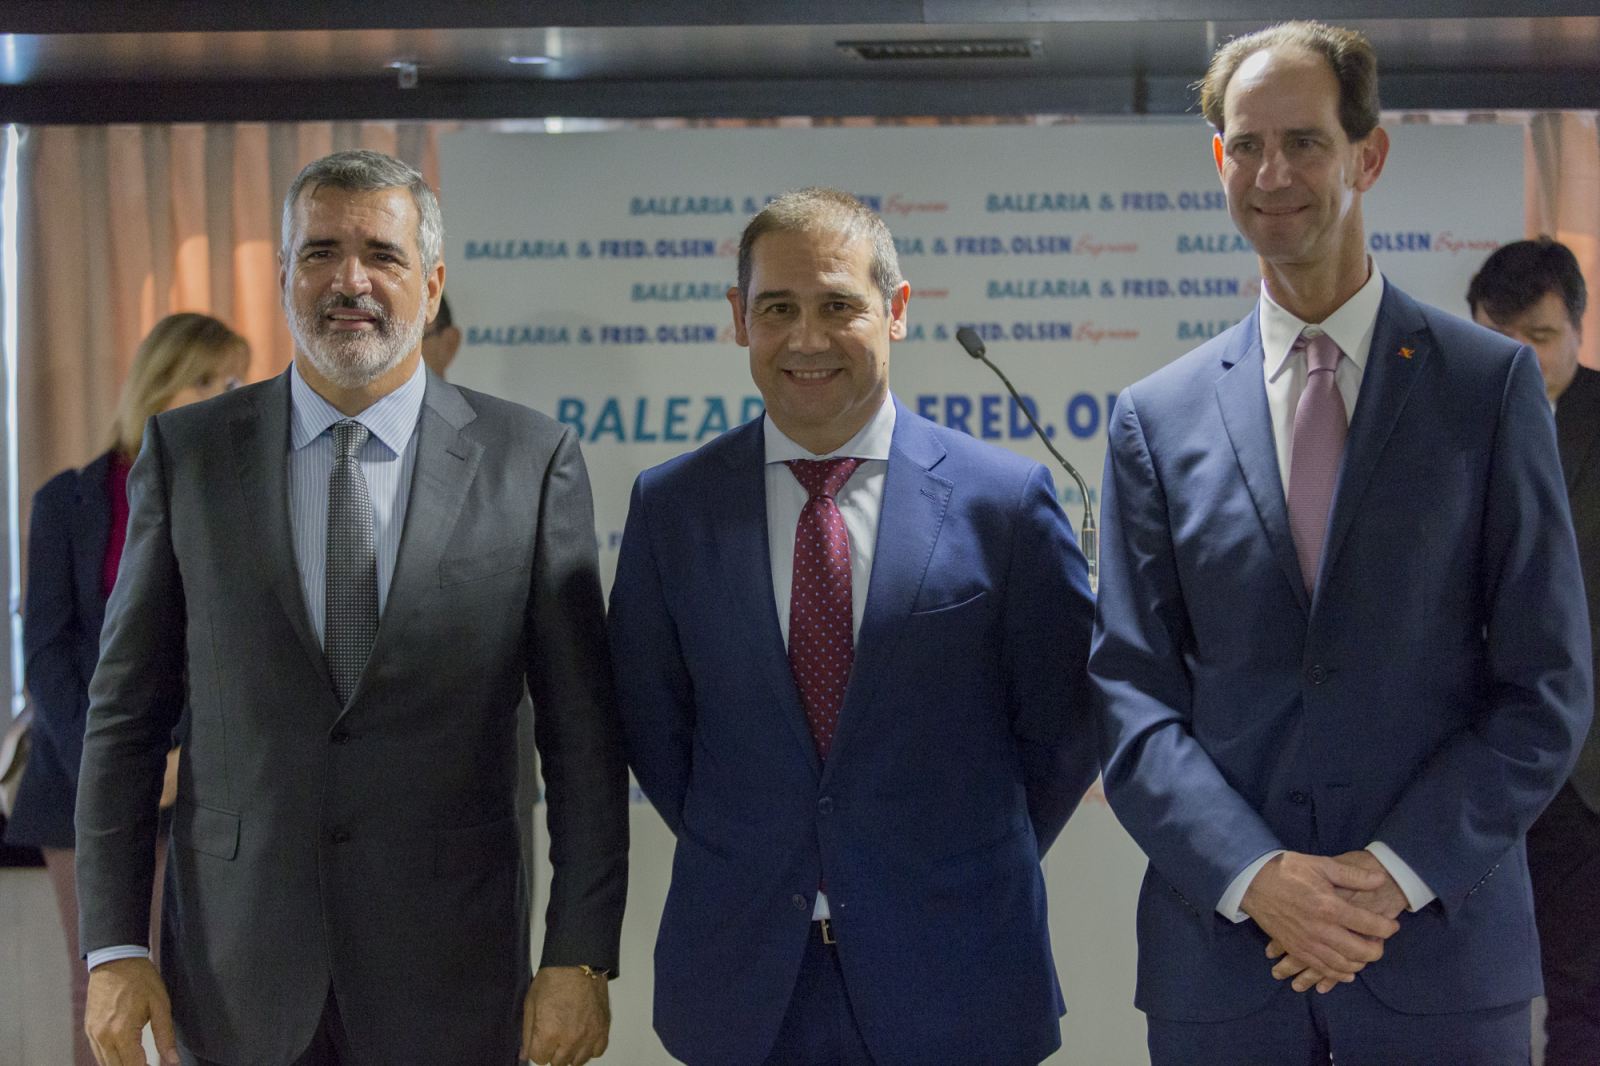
column 387, row 460
column 860, row 503
column 1351, row 327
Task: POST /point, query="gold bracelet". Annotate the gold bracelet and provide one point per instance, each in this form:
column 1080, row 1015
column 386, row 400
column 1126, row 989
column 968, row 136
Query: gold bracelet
column 595, row 973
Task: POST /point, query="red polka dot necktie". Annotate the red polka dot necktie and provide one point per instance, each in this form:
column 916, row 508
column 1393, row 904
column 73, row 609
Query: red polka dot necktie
column 821, row 644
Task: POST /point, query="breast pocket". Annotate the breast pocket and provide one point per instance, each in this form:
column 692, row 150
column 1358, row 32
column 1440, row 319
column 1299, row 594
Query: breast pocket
column 952, row 602
column 475, row 566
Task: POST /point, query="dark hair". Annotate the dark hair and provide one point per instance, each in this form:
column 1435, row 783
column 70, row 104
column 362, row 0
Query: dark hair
column 819, row 209
column 1349, row 53
column 1518, row 275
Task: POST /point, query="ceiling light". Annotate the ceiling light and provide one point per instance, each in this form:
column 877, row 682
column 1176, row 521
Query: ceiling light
column 405, row 72
column 1000, row 48
column 528, row 61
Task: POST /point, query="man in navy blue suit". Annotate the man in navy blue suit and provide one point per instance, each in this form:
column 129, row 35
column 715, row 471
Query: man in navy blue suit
column 851, row 649
column 1342, row 648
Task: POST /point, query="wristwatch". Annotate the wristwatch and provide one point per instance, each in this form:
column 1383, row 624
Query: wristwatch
column 595, row 973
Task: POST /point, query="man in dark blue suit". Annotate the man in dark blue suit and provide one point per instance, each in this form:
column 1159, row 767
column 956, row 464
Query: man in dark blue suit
column 1342, row 649
column 1534, row 293
column 851, row 655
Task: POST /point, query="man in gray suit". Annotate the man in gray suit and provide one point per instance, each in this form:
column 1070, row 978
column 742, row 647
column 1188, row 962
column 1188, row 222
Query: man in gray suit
column 1533, row 292
column 350, row 575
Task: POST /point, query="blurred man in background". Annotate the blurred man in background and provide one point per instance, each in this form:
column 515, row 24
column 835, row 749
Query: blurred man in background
column 1534, row 293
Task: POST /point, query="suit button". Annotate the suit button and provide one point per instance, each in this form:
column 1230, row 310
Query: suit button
column 1297, row 796
column 339, row 836
column 341, row 736
column 799, row 902
column 825, row 805
column 1317, row 674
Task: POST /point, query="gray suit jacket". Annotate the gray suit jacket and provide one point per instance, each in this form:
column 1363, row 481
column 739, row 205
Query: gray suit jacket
column 375, row 846
column 1578, row 436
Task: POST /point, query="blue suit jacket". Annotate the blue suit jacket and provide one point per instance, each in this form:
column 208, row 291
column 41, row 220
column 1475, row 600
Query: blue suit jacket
column 965, row 741
column 61, row 636
column 1432, row 697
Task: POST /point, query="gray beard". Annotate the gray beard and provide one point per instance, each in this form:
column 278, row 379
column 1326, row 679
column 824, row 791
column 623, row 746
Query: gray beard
column 354, row 360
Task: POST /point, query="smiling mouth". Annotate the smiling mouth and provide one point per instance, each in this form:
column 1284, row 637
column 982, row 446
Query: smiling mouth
column 811, row 375
column 352, row 320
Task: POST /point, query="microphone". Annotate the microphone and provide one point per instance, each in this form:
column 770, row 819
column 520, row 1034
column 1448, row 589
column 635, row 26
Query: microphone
column 1089, row 532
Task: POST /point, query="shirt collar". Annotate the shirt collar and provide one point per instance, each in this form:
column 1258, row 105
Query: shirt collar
column 1350, row 326
column 392, row 419
column 870, row 442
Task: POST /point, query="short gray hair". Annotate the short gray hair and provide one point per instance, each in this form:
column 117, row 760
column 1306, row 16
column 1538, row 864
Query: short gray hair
column 821, row 209
column 362, row 170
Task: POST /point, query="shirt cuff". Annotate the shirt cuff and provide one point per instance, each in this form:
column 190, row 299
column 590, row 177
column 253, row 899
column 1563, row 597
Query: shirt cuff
column 1228, row 905
column 119, row 951
column 1418, row 894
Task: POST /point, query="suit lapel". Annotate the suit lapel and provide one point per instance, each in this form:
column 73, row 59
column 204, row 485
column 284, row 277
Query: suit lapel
column 447, row 461
column 915, row 501
column 260, row 436
column 91, row 532
column 1578, row 423
column 1242, row 396
column 740, row 534
column 1401, row 346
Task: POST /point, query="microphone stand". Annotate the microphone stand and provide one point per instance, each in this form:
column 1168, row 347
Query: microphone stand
column 1089, row 532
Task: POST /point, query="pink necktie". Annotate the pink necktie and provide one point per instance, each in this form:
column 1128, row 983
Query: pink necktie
column 821, row 645
column 1320, row 425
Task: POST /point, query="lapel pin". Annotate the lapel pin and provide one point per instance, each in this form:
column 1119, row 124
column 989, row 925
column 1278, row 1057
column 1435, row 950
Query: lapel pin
column 1407, row 353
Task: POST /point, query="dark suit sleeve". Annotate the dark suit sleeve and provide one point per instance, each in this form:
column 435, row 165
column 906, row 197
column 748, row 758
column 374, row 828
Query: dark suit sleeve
column 1477, row 795
column 1048, row 617
column 51, row 628
column 135, row 700
column 653, row 683
column 575, row 726
column 1198, row 831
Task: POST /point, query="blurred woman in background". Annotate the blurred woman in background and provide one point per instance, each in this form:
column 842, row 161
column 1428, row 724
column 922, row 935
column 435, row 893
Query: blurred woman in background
column 75, row 539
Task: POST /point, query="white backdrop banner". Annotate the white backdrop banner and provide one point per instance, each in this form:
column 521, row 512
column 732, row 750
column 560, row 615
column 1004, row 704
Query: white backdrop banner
column 588, row 272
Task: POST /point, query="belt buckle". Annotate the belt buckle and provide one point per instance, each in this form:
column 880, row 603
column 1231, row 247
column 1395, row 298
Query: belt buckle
column 827, row 931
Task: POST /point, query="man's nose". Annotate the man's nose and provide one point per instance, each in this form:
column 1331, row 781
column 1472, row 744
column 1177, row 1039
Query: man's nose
column 808, row 334
column 1274, row 170
column 351, row 278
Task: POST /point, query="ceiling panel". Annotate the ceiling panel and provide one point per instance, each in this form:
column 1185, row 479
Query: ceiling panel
column 1110, row 66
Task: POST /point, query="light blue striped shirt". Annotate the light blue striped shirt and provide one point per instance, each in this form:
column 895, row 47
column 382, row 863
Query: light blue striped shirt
column 387, row 460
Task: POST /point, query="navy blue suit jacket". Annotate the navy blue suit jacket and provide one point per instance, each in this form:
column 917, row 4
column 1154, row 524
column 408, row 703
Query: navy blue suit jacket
column 61, row 638
column 1432, row 697
column 965, row 742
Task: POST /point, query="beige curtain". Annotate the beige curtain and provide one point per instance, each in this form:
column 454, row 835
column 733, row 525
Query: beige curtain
column 121, row 225
column 1563, row 200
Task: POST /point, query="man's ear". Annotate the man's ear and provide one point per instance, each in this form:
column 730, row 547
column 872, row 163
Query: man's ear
column 897, row 311
column 435, row 289
column 1371, row 152
column 736, row 301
